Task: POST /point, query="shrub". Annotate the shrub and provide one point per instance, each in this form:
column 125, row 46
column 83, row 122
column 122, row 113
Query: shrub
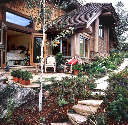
column 101, row 119
column 13, row 73
column 118, row 109
column 26, row 75
column 70, row 88
column 119, row 78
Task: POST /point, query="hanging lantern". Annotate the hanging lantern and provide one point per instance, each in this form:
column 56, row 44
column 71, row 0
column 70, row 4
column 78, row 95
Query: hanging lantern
column 57, row 42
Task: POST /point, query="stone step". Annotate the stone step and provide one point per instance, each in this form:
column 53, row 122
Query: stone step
column 84, row 109
column 65, row 123
column 98, row 93
column 76, row 119
column 94, row 103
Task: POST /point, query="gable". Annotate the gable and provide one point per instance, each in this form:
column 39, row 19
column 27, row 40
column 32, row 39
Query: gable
column 84, row 15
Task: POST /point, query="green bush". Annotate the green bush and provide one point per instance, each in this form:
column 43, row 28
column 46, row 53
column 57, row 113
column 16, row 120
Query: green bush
column 70, row 88
column 26, row 75
column 77, row 67
column 118, row 109
column 119, row 78
column 13, row 73
column 101, row 119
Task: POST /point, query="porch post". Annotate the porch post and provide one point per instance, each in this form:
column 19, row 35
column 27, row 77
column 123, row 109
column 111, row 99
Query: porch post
column 60, row 44
column 96, row 47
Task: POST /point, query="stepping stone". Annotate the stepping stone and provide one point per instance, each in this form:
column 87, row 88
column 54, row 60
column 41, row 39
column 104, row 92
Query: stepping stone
column 98, row 93
column 77, row 119
column 65, row 123
column 95, row 103
column 84, row 109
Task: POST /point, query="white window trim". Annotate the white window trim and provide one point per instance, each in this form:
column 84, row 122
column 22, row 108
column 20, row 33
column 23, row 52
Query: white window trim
column 84, row 46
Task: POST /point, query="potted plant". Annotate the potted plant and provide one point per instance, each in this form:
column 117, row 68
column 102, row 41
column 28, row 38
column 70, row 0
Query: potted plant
column 14, row 74
column 59, row 61
column 18, row 73
column 26, row 75
column 26, row 60
column 77, row 68
column 61, row 68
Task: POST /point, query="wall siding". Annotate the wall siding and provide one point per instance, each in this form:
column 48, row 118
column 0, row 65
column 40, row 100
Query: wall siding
column 103, row 41
column 92, row 37
column 20, row 7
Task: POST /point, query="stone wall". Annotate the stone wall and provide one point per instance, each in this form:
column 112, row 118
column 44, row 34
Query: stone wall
column 103, row 41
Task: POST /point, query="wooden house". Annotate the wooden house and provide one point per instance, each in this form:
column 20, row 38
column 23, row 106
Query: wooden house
column 93, row 31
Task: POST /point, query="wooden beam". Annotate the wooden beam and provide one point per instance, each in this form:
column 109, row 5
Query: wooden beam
column 106, row 14
column 96, row 38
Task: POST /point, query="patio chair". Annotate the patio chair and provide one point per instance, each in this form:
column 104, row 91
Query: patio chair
column 69, row 63
column 50, row 61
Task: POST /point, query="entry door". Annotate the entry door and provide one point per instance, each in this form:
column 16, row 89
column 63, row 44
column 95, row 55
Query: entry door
column 3, row 43
column 35, row 47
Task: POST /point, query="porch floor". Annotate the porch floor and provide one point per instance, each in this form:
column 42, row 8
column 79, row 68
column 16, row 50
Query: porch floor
column 36, row 76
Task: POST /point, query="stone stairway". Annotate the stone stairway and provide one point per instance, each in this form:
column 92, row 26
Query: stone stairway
column 83, row 109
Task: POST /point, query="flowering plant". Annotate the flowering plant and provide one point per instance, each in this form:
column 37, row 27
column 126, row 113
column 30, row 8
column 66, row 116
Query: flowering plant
column 38, row 58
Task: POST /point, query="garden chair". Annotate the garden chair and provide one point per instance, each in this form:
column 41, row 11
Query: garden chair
column 69, row 63
column 50, row 61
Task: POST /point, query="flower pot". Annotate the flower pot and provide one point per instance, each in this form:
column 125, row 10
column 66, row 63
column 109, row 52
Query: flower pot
column 76, row 72
column 27, row 63
column 20, row 80
column 28, row 82
column 15, row 79
column 25, row 82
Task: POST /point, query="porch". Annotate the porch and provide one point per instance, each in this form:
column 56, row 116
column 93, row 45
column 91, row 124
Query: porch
column 34, row 82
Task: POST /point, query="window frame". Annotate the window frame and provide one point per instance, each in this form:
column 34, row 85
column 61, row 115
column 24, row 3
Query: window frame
column 61, row 47
column 85, row 39
column 5, row 9
column 19, row 18
column 101, row 29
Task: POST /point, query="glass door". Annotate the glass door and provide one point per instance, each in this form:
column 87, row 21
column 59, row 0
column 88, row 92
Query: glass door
column 36, row 48
column 3, row 43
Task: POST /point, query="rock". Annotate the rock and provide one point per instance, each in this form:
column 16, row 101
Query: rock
column 83, row 109
column 65, row 123
column 95, row 103
column 77, row 119
column 16, row 94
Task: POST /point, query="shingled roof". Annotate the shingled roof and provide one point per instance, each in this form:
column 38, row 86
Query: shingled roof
column 82, row 16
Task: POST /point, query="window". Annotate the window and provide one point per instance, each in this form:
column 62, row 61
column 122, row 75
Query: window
column 84, row 47
column 36, row 49
column 13, row 18
column 101, row 30
column 64, row 46
column 0, row 37
column 1, row 33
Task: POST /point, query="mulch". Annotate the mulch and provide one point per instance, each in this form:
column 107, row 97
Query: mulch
column 29, row 113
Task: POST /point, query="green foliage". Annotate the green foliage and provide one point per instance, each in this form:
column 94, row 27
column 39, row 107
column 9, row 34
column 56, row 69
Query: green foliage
column 59, row 58
column 10, row 108
column 101, row 119
column 60, row 61
column 19, row 73
column 77, row 67
column 26, row 59
column 71, row 88
column 119, row 78
column 26, row 75
column 13, row 73
column 62, row 102
column 118, row 109
column 123, row 22
column 80, row 74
